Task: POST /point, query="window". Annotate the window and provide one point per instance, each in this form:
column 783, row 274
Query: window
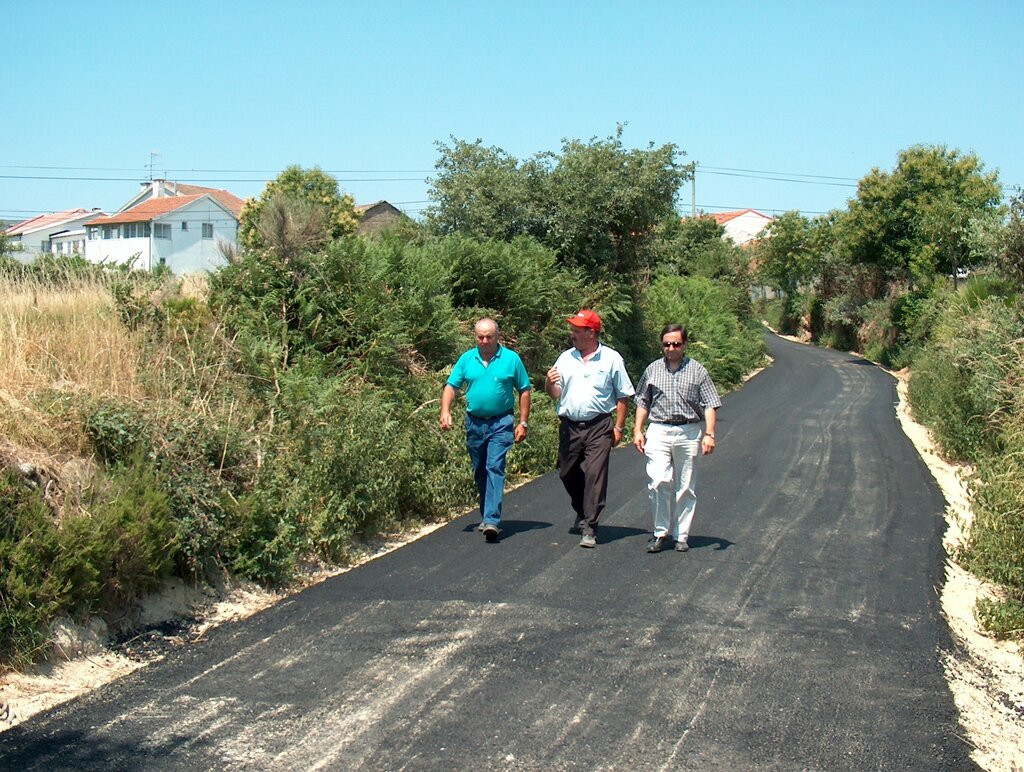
column 94, row 232
column 135, row 230
column 207, row 230
column 46, row 247
column 184, row 225
column 111, row 232
column 162, row 230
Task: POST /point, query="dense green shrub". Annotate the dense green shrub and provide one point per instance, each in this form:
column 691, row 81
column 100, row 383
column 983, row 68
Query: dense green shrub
column 955, row 382
column 521, row 285
column 996, row 546
column 968, row 386
column 117, row 430
column 124, row 543
column 94, row 562
column 33, row 586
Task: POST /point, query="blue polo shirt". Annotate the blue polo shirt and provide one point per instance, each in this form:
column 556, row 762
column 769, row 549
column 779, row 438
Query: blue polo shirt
column 491, row 386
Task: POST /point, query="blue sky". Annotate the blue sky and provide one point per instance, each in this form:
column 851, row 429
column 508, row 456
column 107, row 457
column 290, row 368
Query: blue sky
column 812, row 94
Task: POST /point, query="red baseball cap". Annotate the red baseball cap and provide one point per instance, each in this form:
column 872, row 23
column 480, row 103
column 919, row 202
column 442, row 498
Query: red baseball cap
column 586, row 318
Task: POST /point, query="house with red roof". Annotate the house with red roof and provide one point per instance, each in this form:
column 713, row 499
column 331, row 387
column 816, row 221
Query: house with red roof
column 36, row 235
column 186, row 228
column 744, row 225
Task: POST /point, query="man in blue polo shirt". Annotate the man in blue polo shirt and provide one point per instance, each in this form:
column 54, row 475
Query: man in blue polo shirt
column 492, row 373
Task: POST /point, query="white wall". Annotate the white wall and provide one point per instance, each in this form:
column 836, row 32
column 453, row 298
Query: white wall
column 187, row 251
column 745, row 227
column 69, row 243
column 118, row 251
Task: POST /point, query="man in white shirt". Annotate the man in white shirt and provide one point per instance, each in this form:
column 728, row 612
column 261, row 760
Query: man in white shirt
column 589, row 381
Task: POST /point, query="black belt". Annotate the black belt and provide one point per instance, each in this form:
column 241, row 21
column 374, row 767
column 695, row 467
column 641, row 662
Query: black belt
column 680, row 423
column 584, row 424
column 490, row 417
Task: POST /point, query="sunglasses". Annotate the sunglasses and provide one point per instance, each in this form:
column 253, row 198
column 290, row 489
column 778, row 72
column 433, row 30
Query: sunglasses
column 673, row 344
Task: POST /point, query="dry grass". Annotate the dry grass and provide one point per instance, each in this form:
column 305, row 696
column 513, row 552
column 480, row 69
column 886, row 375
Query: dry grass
column 59, row 339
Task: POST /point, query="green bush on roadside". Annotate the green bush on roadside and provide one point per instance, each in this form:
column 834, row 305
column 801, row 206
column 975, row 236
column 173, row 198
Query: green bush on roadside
column 966, row 385
column 33, row 586
column 91, row 563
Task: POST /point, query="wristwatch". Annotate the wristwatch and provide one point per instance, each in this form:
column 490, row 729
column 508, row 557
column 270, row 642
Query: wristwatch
column 524, row 424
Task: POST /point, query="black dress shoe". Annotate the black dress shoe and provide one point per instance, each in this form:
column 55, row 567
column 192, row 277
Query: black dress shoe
column 657, row 544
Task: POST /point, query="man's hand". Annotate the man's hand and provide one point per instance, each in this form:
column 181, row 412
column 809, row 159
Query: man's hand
column 519, row 434
column 639, row 441
column 707, row 444
column 446, row 420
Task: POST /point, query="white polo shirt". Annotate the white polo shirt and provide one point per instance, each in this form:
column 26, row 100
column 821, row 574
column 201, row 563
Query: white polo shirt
column 592, row 388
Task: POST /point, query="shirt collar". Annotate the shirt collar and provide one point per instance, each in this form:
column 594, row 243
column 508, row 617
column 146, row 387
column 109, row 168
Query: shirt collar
column 596, row 355
column 479, row 358
column 682, row 364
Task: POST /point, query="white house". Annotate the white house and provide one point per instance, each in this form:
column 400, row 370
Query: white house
column 183, row 227
column 744, row 225
column 184, row 233
column 166, row 188
column 36, row 234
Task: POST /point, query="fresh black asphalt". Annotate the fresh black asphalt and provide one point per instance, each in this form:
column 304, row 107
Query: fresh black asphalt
column 801, row 631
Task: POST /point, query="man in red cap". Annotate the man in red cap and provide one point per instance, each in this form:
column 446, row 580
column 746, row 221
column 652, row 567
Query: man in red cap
column 588, row 381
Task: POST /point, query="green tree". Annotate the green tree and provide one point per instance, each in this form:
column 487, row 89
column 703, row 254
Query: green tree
column 301, row 209
column 597, row 204
column 607, row 201
column 485, row 193
column 786, row 258
column 922, row 218
column 1010, row 257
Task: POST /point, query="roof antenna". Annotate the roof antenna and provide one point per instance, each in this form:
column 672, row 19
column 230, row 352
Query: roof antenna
column 153, row 155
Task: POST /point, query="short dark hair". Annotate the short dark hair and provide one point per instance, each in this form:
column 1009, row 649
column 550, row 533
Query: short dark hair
column 673, row 328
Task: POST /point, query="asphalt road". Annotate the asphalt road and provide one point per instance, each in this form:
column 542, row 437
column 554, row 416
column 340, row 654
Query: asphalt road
column 802, row 630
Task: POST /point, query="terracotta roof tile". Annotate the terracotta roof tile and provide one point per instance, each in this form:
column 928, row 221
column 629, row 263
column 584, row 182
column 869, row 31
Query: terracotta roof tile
column 149, row 209
column 44, row 221
column 226, row 198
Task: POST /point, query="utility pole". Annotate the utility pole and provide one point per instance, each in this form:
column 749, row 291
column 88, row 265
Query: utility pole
column 693, row 189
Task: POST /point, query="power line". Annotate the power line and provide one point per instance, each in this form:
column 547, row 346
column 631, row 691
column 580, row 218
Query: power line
column 701, row 167
column 782, row 179
column 190, row 180
column 274, row 172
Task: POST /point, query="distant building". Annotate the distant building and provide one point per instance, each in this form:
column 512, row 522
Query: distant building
column 374, row 218
column 69, row 242
column 183, row 227
column 744, row 225
column 36, row 234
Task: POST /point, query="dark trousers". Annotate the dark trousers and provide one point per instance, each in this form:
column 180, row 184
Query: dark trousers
column 583, row 450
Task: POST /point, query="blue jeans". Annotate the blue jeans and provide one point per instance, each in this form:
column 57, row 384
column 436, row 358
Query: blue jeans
column 488, row 441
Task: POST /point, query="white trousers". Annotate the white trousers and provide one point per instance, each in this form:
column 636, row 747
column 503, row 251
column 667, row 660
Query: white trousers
column 671, row 452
